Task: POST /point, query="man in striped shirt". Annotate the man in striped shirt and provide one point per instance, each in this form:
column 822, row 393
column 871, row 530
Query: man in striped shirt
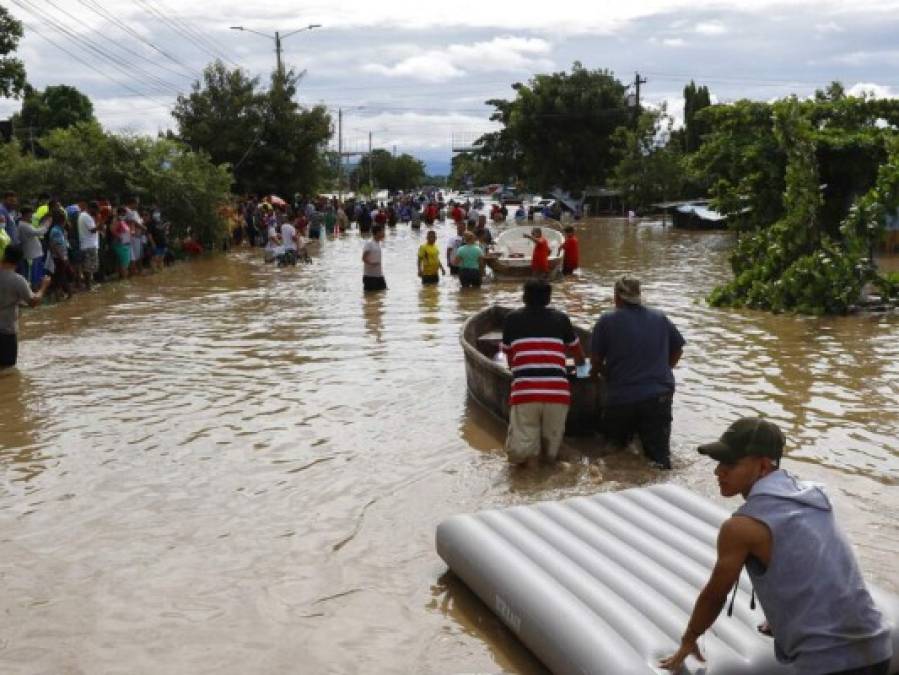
column 536, row 341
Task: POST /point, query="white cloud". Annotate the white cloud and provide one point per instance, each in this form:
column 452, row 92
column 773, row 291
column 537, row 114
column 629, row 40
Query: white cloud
column 828, row 27
column 872, row 90
column 674, row 42
column 864, row 58
column 502, row 54
column 431, row 66
column 710, row 28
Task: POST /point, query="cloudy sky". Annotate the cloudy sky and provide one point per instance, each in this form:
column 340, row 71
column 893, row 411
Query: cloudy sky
column 416, row 74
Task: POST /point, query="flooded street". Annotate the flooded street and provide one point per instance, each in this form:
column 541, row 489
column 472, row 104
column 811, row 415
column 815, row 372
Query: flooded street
column 232, row 468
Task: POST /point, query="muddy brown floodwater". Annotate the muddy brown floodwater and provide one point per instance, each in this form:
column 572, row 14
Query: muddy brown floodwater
column 230, row 468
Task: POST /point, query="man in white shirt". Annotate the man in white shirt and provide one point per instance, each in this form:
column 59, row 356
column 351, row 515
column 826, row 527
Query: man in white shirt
column 288, row 237
column 289, row 244
column 372, row 272
column 89, row 238
column 452, row 246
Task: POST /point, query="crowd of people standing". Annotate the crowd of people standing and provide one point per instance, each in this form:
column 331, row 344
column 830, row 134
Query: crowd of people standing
column 84, row 242
column 53, row 249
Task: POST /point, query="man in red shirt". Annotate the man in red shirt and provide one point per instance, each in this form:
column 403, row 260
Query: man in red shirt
column 540, row 258
column 572, row 250
column 458, row 214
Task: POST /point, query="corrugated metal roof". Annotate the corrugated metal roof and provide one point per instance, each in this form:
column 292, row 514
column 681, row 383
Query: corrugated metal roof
column 702, row 212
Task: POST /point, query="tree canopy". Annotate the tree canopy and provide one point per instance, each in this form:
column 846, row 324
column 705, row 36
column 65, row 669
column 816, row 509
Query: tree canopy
column 12, row 70
column 402, row 172
column 650, row 168
column 270, row 141
column 557, row 130
column 56, row 107
column 829, row 166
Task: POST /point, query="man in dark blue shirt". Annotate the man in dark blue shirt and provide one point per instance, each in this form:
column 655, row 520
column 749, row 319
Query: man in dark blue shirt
column 635, row 348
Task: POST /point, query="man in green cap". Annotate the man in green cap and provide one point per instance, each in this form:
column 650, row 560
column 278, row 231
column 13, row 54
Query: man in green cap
column 802, row 567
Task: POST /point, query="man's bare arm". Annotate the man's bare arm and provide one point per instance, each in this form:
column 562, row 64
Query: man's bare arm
column 674, row 357
column 734, row 541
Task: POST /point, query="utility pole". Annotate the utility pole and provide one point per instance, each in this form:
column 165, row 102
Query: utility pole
column 394, row 151
column 277, row 37
column 281, row 70
column 340, row 154
column 371, row 182
column 637, row 82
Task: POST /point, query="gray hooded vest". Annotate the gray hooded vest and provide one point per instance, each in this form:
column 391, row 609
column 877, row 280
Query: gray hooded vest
column 813, row 594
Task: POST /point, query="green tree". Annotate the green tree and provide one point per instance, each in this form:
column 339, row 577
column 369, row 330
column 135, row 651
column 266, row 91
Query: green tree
column 188, row 187
column 270, row 141
column 557, row 130
column 695, row 99
column 740, row 164
column 12, row 70
column 651, row 165
column 82, row 162
column 56, row 107
column 814, row 259
column 408, row 172
column 23, row 174
column 473, row 167
column 224, row 116
column 388, row 172
column 289, row 155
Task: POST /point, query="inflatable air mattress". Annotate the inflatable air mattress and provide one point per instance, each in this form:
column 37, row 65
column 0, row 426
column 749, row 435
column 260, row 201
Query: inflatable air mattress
column 605, row 584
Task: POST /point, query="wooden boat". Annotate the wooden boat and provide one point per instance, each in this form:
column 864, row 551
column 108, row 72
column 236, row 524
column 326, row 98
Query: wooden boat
column 511, row 258
column 490, row 381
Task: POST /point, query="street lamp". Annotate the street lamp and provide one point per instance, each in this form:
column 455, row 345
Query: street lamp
column 277, row 37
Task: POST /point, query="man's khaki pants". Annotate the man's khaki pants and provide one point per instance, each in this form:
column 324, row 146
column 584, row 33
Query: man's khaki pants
column 534, row 427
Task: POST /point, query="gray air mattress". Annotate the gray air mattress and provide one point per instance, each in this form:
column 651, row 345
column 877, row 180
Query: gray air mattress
column 605, row 584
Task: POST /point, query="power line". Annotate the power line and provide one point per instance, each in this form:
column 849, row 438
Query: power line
column 152, row 77
column 761, row 82
column 97, row 8
column 119, row 63
column 205, row 37
column 92, row 67
column 191, row 35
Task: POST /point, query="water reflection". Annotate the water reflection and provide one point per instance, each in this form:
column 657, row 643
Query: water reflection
column 373, row 311
column 455, row 601
column 21, row 456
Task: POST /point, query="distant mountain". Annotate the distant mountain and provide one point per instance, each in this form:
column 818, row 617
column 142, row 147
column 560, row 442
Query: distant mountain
column 437, row 167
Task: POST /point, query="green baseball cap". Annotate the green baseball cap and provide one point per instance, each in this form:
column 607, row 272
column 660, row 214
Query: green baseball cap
column 747, row 437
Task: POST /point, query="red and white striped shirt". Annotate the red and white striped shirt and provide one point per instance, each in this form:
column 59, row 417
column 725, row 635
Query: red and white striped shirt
column 536, row 342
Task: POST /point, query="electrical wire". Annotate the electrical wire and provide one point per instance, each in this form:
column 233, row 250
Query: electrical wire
column 193, row 38
column 152, row 77
column 89, row 65
column 121, row 64
column 97, row 8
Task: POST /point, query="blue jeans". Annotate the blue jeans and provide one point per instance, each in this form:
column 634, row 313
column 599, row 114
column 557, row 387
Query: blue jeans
column 36, row 272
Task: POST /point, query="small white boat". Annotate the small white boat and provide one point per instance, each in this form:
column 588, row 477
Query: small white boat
column 512, row 252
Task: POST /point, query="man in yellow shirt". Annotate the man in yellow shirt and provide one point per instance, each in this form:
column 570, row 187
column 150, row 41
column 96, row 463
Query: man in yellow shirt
column 429, row 260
